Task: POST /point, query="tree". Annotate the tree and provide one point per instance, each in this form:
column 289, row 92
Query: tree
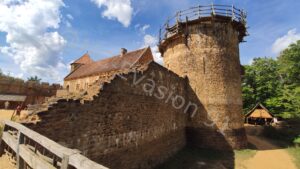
column 289, row 70
column 289, row 64
column 34, row 78
column 274, row 83
column 261, row 82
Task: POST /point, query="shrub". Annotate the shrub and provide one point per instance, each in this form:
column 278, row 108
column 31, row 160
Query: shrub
column 1, row 131
column 297, row 140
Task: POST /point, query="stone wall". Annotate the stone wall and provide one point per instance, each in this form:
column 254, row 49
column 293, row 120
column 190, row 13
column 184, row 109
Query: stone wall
column 209, row 56
column 134, row 122
column 78, row 85
column 36, row 92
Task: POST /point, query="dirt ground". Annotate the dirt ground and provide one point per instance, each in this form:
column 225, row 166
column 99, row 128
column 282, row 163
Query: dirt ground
column 5, row 163
column 5, row 114
column 267, row 156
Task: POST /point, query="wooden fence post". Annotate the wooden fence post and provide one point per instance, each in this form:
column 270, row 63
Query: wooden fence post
column 65, row 162
column 2, row 145
column 20, row 162
column 232, row 15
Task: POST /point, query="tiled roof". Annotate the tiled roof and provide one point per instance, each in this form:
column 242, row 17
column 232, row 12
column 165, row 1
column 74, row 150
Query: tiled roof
column 116, row 63
column 16, row 98
column 85, row 59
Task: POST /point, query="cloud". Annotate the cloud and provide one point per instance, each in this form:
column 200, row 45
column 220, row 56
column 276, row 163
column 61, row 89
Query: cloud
column 31, row 36
column 116, row 9
column 142, row 29
column 151, row 41
column 69, row 16
column 283, row 42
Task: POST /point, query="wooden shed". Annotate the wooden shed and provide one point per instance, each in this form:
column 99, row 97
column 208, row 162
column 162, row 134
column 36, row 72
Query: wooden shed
column 12, row 101
column 259, row 115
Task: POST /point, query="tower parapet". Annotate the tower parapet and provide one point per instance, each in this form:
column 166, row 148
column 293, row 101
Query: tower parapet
column 202, row 43
column 178, row 23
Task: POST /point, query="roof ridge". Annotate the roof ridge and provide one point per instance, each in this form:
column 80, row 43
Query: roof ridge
column 109, row 64
column 86, row 55
column 254, row 108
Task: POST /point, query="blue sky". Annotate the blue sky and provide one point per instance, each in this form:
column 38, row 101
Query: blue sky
column 57, row 33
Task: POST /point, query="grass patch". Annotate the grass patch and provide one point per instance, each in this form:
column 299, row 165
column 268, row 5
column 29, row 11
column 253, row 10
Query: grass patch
column 295, row 152
column 297, row 140
column 244, row 154
column 1, row 131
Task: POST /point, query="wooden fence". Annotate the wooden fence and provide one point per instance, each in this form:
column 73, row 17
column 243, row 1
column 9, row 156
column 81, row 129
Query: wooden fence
column 35, row 151
column 198, row 12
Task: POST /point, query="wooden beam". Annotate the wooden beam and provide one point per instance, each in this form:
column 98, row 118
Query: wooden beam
column 52, row 146
column 65, row 162
column 11, row 141
column 69, row 156
column 80, row 161
column 33, row 160
column 20, row 162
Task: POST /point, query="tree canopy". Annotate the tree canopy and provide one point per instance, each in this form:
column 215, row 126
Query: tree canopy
column 274, row 83
column 34, row 78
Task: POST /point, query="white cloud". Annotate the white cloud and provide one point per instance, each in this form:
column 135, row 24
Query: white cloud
column 151, row 41
column 69, row 16
column 142, row 29
column 283, row 42
column 27, row 24
column 68, row 24
column 116, row 9
column 145, row 27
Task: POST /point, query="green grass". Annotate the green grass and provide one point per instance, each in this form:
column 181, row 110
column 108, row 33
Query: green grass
column 295, row 152
column 1, row 131
column 244, row 154
column 297, row 140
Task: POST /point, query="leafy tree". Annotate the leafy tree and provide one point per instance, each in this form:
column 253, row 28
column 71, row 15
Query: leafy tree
column 34, row 78
column 289, row 64
column 289, row 70
column 275, row 83
column 261, row 82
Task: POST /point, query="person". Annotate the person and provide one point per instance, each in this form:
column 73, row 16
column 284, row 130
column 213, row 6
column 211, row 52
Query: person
column 19, row 108
column 6, row 105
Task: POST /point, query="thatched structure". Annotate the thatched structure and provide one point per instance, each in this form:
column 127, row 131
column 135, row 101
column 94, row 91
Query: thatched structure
column 259, row 115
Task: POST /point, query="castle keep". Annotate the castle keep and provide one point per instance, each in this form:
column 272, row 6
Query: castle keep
column 129, row 112
column 206, row 50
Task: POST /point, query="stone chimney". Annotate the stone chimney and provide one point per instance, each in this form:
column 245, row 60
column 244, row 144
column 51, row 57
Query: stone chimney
column 123, row 51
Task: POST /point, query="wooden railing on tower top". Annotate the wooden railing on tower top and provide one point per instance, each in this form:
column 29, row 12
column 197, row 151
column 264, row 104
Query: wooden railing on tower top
column 198, row 12
column 38, row 152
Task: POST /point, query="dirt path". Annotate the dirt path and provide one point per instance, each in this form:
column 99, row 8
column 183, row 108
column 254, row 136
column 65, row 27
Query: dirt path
column 268, row 156
column 5, row 114
column 5, row 163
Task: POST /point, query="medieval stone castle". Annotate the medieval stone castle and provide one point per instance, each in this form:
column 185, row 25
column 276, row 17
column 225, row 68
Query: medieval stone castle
column 129, row 112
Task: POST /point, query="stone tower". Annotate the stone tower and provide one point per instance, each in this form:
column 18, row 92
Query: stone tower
column 202, row 43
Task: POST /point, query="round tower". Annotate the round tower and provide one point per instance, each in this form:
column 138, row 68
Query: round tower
column 202, row 43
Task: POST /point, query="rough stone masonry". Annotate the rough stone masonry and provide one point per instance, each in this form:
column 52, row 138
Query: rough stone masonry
column 137, row 115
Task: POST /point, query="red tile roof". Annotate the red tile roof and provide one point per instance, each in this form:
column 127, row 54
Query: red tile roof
column 116, row 63
column 85, row 59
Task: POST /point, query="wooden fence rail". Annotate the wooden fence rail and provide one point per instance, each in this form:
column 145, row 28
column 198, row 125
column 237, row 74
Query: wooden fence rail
column 198, row 12
column 38, row 152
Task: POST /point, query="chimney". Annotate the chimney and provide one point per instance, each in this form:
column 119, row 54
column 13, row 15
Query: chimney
column 123, row 51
